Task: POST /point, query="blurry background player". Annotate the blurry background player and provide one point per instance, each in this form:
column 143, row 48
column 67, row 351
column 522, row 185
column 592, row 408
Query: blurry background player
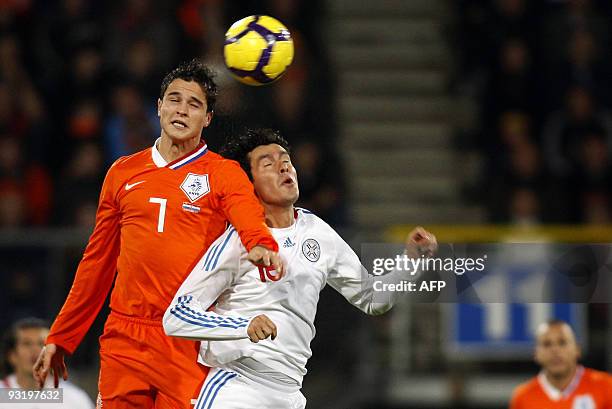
column 20, row 347
column 562, row 383
column 269, row 375
column 159, row 210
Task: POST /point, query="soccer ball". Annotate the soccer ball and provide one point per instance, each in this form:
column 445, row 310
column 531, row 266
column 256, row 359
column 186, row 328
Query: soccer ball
column 258, row 50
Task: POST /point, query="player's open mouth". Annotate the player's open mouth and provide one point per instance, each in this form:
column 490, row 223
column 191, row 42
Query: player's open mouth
column 179, row 124
column 288, row 181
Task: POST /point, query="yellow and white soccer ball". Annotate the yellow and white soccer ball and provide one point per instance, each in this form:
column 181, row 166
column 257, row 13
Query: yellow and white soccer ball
column 258, row 50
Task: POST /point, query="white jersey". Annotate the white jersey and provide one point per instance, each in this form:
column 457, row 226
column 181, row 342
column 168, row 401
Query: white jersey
column 314, row 255
column 73, row 397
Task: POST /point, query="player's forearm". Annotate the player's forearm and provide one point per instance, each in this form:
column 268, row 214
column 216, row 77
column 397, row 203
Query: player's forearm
column 186, row 318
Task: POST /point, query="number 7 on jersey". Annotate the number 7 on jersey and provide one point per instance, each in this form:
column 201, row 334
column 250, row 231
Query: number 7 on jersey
column 162, row 212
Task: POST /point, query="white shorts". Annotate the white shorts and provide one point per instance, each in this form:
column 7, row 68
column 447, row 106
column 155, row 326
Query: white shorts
column 225, row 389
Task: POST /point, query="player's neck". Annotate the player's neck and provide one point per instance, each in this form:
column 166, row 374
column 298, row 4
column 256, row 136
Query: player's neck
column 561, row 382
column 279, row 217
column 25, row 381
column 171, row 150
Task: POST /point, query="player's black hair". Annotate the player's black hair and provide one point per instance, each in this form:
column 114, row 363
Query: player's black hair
column 9, row 340
column 194, row 70
column 239, row 147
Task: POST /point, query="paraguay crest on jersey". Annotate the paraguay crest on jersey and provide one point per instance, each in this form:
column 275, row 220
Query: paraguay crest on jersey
column 195, row 186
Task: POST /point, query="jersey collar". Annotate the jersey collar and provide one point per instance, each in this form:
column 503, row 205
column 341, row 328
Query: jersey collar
column 556, row 394
column 160, row 162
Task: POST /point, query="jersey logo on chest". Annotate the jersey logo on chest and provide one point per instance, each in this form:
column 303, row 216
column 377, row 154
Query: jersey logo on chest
column 195, row 186
column 583, row 402
column 311, row 250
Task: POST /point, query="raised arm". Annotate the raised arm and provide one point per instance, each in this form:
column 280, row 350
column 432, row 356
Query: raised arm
column 352, row 280
column 188, row 315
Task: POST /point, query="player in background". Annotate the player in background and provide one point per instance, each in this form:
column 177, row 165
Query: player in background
column 21, row 345
column 159, row 211
column 562, row 383
column 253, row 304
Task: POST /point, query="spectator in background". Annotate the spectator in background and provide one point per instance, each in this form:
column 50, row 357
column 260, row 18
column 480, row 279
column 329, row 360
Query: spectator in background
column 83, row 175
column 512, row 85
column 562, row 383
column 591, row 181
column 25, row 188
column 564, row 131
column 584, row 64
column 560, row 25
column 21, row 345
column 130, row 125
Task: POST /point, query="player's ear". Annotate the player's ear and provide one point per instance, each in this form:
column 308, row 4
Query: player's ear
column 158, row 107
column 209, row 116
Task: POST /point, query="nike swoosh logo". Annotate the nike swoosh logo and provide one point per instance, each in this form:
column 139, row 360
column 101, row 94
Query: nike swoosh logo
column 129, row 186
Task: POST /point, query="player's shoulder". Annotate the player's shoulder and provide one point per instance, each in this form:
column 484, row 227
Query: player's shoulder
column 309, row 218
column 526, row 388
column 314, row 224
column 135, row 160
column 598, row 377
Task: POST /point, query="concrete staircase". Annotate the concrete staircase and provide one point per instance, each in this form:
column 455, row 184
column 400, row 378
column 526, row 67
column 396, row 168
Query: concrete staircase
column 395, row 114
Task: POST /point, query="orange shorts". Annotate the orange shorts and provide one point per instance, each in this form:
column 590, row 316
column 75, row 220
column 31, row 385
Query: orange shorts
column 142, row 367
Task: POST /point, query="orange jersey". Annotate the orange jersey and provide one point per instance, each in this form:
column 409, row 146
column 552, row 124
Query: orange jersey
column 153, row 221
column 590, row 389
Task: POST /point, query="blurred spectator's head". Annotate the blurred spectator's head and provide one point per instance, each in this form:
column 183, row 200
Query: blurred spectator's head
column 21, row 346
column 86, row 162
column 87, row 64
column 594, row 153
column 524, row 207
column 85, row 121
column 6, row 104
column 511, row 8
column 557, row 351
column 10, row 154
column 285, row 10
column 596, row 208
column 140, row 59
column 579, row 103
column 514, row 56
column 12, row 207
column 525, row 160
column 127, row 101
column 582, row 49
column 514, row 128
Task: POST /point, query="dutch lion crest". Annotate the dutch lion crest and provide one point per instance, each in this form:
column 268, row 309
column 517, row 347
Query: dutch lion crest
column 195, row 186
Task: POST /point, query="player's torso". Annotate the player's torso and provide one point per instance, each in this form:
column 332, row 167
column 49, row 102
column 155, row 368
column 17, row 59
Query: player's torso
column 587, row 393
column 290, row 302
column 168, row 217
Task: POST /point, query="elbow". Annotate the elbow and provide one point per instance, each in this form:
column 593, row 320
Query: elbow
column 169, row 322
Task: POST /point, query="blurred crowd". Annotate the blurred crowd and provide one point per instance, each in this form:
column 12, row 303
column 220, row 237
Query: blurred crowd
column 541, row 73
column 79, row 82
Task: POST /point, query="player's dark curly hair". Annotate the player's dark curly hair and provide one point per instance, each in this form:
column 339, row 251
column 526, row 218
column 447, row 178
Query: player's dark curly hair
column 194, row 70
column 9, row 340
column 239, row 147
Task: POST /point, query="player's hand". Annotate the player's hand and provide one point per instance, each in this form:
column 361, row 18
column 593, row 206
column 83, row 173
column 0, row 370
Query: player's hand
column 260, row 328
column 51, row 359
column 261, row 256
column 420, row 242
